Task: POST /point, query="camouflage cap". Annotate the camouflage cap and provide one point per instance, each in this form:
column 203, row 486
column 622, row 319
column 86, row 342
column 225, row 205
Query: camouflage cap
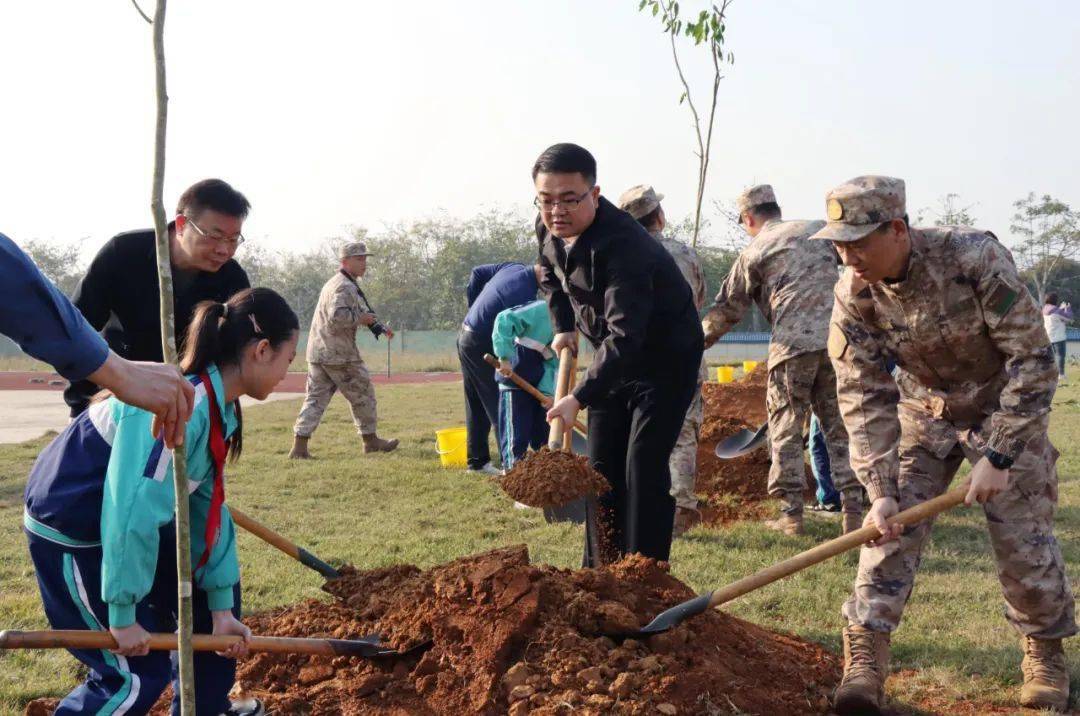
column 860, row 205
column 353, row 248
column 640, row 200
column 755, row 196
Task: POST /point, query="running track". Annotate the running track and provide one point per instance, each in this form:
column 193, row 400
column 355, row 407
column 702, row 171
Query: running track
column 293, row 383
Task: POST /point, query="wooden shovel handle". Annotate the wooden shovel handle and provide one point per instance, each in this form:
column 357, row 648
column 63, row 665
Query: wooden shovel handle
column 529, row 388
column 568, row 436
column 274, row 539
column 562, row 387
column 81, row 639
column 910, row 516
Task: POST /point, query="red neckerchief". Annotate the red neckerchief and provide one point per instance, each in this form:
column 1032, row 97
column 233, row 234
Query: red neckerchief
column 218, row 450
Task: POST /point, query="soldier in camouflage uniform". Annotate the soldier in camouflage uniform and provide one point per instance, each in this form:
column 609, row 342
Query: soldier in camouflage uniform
column 643, row 203
column 791, row 280
column 974, row 379
column 334, row 362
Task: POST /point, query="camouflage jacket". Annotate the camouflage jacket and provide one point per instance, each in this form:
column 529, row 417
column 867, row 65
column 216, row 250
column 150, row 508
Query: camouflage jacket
column 973, row 361
column 791, row 279
column 332, row 338
column 689, row 265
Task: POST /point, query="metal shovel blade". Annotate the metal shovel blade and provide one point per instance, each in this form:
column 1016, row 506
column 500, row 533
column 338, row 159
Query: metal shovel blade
column 742, row 442
column 669, row 618
column 371, row 647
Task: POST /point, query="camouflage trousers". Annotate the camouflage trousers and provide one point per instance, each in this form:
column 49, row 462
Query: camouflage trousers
column 323, row 380
column 1038, row 598
column 796, row 387
column 683, row 461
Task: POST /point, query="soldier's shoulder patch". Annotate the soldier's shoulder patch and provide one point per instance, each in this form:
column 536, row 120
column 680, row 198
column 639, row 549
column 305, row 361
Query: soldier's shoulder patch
column 838, row 341
column 1001, row 298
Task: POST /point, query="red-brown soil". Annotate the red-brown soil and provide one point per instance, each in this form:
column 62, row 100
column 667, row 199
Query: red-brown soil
column 552, row 478
column 732, row 490
column 512, row 637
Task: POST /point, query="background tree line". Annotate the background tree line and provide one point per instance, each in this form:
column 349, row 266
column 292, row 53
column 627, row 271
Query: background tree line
column 417, row 276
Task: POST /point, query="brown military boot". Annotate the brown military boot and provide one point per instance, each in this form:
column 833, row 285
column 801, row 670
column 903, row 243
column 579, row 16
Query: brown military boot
column 685, row 519
column 299, row 448
column 373, row 443
column 851, row 505
column 866, row 666
column 1046, row 680
column 791, row 525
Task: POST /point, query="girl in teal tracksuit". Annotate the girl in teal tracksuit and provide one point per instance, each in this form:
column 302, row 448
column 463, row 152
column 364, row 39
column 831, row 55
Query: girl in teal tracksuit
column 521, row 340
column 99, row 515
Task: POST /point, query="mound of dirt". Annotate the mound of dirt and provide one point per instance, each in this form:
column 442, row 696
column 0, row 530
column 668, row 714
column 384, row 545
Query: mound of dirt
column 512, row 637
column 742, row 400
column 734, row 489
column 552, row 478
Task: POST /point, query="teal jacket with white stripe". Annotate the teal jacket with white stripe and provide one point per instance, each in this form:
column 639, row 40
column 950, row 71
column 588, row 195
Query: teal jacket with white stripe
column 105, row 481
column 523, row 335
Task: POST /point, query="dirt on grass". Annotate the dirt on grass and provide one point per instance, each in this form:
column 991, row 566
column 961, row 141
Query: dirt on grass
column 512, row 637
column 552, row 478
column 732, row 490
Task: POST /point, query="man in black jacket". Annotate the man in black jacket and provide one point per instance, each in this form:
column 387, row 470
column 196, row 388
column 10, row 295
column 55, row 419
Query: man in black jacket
column 608, row 277
column 119, row 293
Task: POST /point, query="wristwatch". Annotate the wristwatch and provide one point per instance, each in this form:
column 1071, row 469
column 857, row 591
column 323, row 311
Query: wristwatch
column 1001, row 462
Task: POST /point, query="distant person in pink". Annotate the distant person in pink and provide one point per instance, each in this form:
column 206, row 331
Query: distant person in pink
column 1056, row 318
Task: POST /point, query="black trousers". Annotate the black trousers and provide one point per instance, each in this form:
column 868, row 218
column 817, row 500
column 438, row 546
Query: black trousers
column 481, row 395
column 632, row 432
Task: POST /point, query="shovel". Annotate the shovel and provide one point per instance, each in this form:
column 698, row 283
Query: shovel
column 274, row 539
column 742, row 442
column 367, row 648
column 677, row 614
column 531, row 390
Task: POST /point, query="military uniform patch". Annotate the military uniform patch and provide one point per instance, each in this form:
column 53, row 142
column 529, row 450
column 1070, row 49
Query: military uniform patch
column 1001, row 298
column 838, row 342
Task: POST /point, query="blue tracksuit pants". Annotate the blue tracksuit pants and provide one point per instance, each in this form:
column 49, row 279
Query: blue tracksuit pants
column 522, row 424
column 69, row 579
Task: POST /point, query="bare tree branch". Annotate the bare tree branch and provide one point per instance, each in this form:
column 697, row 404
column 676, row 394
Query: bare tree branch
column 144, row 15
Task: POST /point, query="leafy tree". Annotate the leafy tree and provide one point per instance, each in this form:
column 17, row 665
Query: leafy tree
column 61, row 263
column 1049, row 236
column 708, row 29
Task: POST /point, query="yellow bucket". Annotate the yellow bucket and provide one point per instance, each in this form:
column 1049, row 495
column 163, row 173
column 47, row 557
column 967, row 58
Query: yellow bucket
column 725, row 373
column 452, row 446
column 749, row 365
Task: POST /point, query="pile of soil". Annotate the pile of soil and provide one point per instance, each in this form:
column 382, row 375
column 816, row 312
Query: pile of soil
column 511, row 637
column 742, row 400
column 552, row 478
column 734, row 489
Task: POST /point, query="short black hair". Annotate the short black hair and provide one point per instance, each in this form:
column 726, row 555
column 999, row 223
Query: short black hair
column 764, row 212
column 566, row 158
column 213, row 194
column 1051, row 297
column 650, row 219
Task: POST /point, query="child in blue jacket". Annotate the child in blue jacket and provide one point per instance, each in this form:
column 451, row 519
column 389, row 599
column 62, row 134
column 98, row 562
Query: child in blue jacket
column 99, row 516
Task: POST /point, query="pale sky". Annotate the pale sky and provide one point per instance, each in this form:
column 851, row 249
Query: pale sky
column 328, row 114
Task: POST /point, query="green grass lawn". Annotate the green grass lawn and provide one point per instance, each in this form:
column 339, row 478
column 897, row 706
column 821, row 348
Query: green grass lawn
column 384, row 509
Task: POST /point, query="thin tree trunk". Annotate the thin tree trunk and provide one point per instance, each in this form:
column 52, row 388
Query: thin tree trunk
column 168, row 349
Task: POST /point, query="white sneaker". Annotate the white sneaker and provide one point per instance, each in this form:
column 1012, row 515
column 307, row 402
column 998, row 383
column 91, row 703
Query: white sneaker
column 487, row 469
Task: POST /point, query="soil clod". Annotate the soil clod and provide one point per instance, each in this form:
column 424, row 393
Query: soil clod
column 552, row 478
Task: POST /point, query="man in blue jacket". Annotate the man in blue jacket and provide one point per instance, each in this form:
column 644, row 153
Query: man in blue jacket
column 46, row 325
column 492, row 289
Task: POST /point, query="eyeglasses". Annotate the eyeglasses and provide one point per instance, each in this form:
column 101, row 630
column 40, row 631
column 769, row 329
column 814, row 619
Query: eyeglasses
column 549, row 205
column 229, row 241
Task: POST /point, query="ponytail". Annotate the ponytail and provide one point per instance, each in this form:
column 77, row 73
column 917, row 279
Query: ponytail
column 219, row 333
